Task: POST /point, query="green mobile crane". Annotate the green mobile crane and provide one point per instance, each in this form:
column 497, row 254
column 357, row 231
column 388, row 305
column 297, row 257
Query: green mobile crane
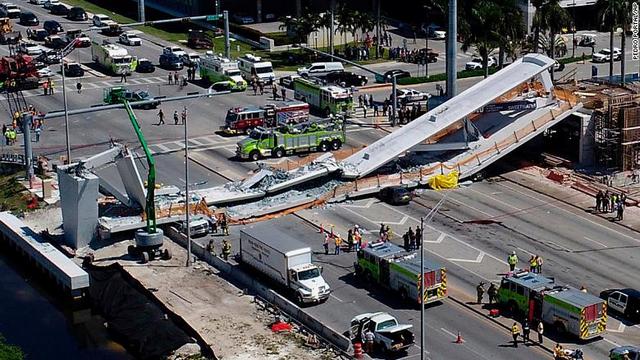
column 148, row 241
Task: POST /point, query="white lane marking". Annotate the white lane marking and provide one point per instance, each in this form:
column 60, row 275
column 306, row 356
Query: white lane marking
column 495, row 199
column 162, row 147
column 558, row 245
column 620, row 328
column 335, row 297
column 365, row 206
column 438, row 240
column 569, row 212
column 477, row 260
column 597, row 242
column 401, row 222
column 528, row 252
column 610, row 342
column 470, row 207
column 449, row 332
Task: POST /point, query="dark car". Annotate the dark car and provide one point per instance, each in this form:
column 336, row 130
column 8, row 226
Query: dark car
column 49, row 57
column 52, row 27
column 29, row 19
column 77, row 14
column 395, row 195
column 145, row 66
column 37, row 34
column 346, row 78
column 625, row 352
column 623, row 301
column 55, row 42
column 59, row 10
column 73, row 70
column 388, row 76
column 171, row 62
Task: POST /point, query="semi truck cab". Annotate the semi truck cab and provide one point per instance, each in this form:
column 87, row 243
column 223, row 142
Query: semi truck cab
column 308, row 283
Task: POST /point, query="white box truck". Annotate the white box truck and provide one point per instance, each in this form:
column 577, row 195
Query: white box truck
column 285, row 260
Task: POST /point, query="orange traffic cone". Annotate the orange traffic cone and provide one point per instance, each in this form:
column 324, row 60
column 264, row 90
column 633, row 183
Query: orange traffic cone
column 357, row 350
column 321, row 229
column 459, row 339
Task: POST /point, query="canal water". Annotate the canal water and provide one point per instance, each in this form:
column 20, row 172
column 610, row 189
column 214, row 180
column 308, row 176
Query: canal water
column 43, row 326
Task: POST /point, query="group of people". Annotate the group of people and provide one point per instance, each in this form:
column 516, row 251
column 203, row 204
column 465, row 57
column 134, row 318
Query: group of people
column 10, row 132
column 354, row 240
column 415, row 56
column 48, row 87
column 175, row 78
column 492, row 292
column 178, row 118
column 611, row 202
column 526, row 331
column 406, row 112
column 226, row 249
column 257, row 85
column 385, row 233
column 412, row 240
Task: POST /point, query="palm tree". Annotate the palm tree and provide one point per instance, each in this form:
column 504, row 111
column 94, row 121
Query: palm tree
column 300, row 27
column 345, row 20
column 557, row 19
column 325, row 23
column 511, row 29
column 482, row 30
column 609, row 15
column 365, row 22
column 539, row 22
column 625, row 20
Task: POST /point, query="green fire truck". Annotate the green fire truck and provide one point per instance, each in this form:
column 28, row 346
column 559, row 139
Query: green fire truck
column 309, row 136
column 566, row 309
column 328, row 99
column 394, row 268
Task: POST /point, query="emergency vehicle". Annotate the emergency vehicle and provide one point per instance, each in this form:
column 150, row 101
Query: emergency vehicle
column 328, row 99
column 243, row 119
column 253, row 66
column 114, row 58
column 566, row 309
column 394, row 268
column 214, row 68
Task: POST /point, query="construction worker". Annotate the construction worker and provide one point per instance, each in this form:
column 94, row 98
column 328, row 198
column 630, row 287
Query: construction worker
column 515, row 332
column 512, row 260
column 533, row 264
column 526, row 330
column 223, row 224
column 226, row 249
column 558, row 351
column 350, row 240
column 480, row 292
column 325, row 244
column 338, row 243
column 493, row 293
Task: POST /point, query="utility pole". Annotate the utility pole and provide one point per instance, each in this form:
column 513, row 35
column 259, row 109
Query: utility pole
column 426, row 41
column 394, row 100
column 332, row 28
column 378, row 2
column 186, row 189
column 452, row 49
column 227, row 44
column 27, row 120
column 141, row 16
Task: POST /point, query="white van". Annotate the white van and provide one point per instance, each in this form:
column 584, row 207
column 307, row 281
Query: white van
column 320, row 69
column 252, row 66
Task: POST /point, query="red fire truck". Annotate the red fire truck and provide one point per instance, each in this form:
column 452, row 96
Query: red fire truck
column 242, row 119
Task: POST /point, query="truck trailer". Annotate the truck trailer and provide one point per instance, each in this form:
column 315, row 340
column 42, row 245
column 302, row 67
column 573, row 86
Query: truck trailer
column 285, row 260
column 566, row 309
column 398, row 270
column 241, row 120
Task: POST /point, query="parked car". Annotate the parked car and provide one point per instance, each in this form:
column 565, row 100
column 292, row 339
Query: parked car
column 30, row 48
column 346, row 78
column 242, row 19
column 171, row 62
column 50, row 57
column 388, row 76
column 625, row 353
column 77, row 14
column 476, row 63
column 55, row 42
column 623, row 301
column 395, row 195
column 37, row 34
column 73, row 69
column 101, row 20
column 38, row 2
column 411, row 95
column 198, row 226
column 50, row 3
column 45, row 72
column 129, row 38
column 588, row 40
column 145, row 66
column 604, row 55
column 53, row 27
column 10, row 10
column 176, row 50
column 59, row 9
column 28, row 18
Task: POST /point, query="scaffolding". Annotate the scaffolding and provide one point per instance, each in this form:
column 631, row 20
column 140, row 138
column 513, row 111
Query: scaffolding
column 617, row 132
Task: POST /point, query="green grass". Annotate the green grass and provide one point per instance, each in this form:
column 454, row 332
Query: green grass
column 8, row 351
column 443, row 76
column 13, row 196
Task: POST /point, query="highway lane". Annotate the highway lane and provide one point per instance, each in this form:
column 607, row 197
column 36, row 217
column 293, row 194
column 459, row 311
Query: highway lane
column 483, row 339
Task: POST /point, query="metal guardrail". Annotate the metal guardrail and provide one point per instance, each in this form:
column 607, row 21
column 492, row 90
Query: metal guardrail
column 17, row 159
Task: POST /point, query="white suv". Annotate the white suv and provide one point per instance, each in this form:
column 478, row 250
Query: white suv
column 176, row 50
column 130, row 39
column 604, row 55
column 476, row 63
column 101, row 20
column 10, row 10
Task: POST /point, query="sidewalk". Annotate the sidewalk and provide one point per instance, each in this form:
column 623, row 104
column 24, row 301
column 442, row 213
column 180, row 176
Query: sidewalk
column 575, row 190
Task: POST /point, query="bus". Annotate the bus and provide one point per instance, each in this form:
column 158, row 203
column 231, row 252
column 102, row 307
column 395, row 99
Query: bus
column 327, row 99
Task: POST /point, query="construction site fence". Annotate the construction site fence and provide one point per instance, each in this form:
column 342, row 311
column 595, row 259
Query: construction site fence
column 240, row 277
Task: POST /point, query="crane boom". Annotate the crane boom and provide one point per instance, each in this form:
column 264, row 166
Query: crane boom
column 150, row 206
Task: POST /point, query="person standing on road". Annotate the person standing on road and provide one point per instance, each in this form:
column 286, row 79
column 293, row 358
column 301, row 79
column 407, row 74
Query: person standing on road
column 405, row 241
column 540, row 331
column 38, row 131
column 175, row 117
column 492, row 292
column 274, row 90
column 599, row 201
column 160, row 117
column 283, row 92
column 123, row 76
column 79, row 87
column 512, row 260
column 369, row 336
column 620, row 210
column 418, row 237
column 254, row 84
column 526, row 330
column 170, row 78
column 184, row 115
column 515, row 332
column 539, row 263
column 176, row 78
column 350, row 240
column 325, row 244
column 533, row 265
column 226, row 249
column 338, row 243
column 480, row 292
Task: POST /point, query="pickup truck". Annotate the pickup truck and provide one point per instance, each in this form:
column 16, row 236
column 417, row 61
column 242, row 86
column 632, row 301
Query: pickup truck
column 117, row 94
column 389, row 336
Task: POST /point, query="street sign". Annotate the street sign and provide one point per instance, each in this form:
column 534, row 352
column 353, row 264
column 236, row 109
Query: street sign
column 519, row 105
column 214, row 17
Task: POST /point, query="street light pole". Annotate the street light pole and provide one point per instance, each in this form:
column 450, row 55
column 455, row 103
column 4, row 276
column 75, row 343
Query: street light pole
column 186, row 189
column 66, row 109
column 426, row 41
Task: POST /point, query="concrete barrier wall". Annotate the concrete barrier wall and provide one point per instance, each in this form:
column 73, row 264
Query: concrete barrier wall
column 242, row 278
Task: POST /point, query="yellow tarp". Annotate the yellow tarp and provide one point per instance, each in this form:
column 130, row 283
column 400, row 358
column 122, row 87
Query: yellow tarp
column 446, row 181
